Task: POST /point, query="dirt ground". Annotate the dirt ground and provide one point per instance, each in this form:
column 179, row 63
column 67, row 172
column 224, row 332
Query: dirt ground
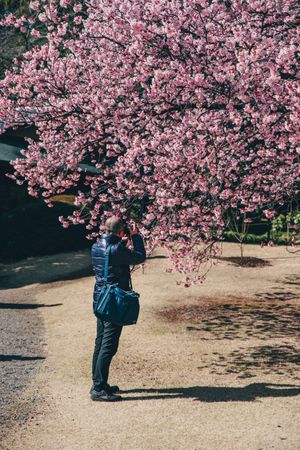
column 211, row 367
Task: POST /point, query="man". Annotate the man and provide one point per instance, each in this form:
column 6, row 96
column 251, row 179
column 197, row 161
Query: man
column 108, row 334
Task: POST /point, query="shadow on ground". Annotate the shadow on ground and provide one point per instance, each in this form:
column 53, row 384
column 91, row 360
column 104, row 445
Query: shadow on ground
column 237, row 320
column 291, row 280
column 217, row 394
column 4, row 305
column 245, row 261
column 47, row 269
column 267, row 315
column 246, row 362
column 20, row 358
column 267, row 320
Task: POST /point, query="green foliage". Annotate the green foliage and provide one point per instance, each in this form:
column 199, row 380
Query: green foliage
column 277, row 238
column 231, row 236
column 286, row 222
column 284, row 229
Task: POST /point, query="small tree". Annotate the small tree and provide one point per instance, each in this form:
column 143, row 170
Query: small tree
column 239, row 227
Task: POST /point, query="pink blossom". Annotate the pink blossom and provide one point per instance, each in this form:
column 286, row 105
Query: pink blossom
column 34, row 5
column 77, row 7
column 269, row 214
column 42, row 17
column 35, row 32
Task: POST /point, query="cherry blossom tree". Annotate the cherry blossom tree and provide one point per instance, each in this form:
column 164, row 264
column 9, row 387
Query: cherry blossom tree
column 187, row 109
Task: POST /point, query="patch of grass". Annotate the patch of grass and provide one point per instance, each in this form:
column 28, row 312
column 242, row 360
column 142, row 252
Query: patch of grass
column 277, row 238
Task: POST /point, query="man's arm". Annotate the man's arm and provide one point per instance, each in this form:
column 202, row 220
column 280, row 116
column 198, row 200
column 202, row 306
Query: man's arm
column 135, row 256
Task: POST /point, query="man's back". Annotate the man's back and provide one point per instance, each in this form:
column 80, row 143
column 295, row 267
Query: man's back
column 120, row 258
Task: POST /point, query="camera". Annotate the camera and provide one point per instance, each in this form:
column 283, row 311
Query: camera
column 126, row 230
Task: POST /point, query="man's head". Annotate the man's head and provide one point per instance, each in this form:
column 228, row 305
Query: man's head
column 114, row 225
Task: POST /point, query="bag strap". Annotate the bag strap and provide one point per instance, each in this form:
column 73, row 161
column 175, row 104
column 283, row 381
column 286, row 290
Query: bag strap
column 106, row 261
column 106, row 264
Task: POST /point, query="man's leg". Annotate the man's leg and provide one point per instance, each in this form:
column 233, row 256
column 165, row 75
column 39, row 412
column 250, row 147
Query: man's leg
column 109, row 346
column 98, row 341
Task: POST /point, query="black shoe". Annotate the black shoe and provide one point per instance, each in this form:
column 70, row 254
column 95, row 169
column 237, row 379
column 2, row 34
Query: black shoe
column 111, row 389
column 105, row 396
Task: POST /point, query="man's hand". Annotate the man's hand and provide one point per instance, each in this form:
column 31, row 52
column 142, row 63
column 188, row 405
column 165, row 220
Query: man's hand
column 134, row 231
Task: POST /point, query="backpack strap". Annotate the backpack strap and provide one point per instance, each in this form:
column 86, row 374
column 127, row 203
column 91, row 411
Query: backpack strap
column 106, row 263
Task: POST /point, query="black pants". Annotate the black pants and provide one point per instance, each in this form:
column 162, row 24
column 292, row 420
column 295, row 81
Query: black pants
column 106, row 346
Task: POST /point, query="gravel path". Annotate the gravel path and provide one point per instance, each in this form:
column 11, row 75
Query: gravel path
column 21, row 349
column 22, row 331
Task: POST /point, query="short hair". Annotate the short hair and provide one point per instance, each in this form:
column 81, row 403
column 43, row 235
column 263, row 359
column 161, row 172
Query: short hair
column 114, row 225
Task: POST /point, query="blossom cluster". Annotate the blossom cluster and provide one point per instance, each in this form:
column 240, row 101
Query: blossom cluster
column 185, row 108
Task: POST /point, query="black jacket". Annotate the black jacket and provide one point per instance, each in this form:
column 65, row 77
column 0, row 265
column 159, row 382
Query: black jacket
column 121, row 257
